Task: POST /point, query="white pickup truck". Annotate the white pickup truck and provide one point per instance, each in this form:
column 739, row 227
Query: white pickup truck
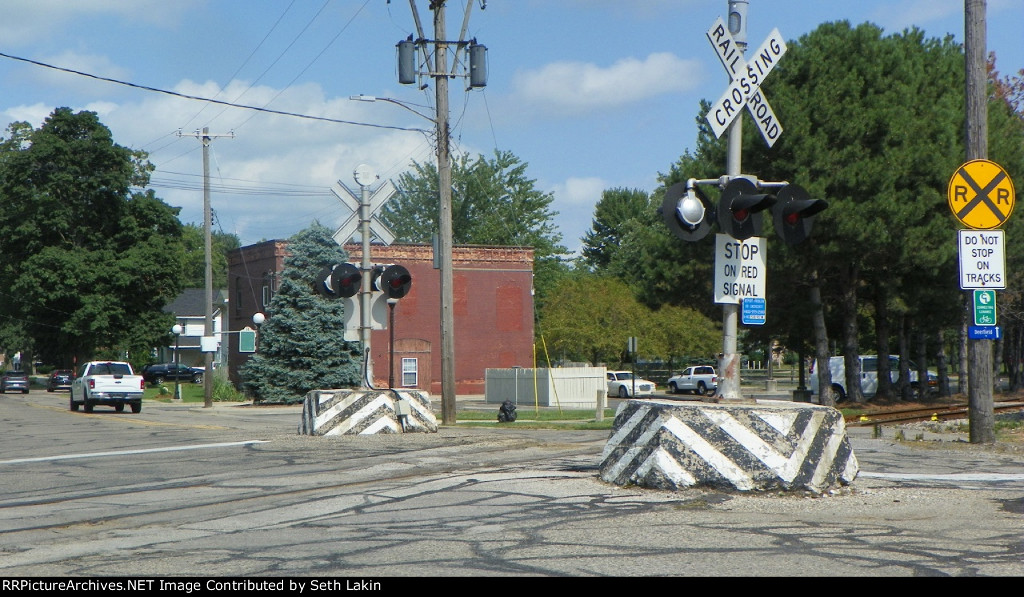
column 110, row 383
column 700, row 379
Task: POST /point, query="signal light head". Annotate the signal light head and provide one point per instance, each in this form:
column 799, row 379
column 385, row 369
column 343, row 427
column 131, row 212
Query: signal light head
column 346, row 280
column 690, row 209
column 322, row 285
column 740, row 207
column 393, row 280
column 794, row 215
column 687, row 212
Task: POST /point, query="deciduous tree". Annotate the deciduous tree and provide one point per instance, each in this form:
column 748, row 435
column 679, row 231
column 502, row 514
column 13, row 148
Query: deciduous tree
column 493, row 203
column 90, row 259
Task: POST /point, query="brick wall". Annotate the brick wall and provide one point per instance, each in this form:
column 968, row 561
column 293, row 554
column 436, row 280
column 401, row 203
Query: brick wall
column 493, row 310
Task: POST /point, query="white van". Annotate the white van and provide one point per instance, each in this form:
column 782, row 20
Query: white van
column 868, row 375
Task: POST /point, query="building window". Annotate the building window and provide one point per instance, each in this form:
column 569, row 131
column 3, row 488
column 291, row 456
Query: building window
column 410, row 372
column 269, row 287
column 238, row 295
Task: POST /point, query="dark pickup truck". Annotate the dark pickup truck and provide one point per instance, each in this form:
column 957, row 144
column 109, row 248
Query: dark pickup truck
column 158, row 374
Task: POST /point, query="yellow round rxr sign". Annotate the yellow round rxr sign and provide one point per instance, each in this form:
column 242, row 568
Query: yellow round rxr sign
column 981, row 195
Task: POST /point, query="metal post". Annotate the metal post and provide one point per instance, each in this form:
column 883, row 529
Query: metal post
column 365, row 291
column 391, row 342
column 177, row 329
column 729, row 364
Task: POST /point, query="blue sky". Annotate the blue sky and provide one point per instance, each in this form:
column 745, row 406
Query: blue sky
column 591, row 94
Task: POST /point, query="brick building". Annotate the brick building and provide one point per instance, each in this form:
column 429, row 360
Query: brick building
column 493, row 310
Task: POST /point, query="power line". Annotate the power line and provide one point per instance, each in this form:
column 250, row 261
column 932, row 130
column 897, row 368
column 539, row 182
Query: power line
column 257, row 187
column 246, row 61
column 209, row 100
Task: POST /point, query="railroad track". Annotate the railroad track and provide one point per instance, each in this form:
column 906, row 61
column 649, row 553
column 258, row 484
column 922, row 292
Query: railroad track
column 931, row 413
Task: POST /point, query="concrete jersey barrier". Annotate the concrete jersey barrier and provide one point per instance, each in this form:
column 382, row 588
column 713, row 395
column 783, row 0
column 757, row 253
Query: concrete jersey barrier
column 745, row 447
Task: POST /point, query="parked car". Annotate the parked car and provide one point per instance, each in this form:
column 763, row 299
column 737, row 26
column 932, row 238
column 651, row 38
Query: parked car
column 14, row 380
column 700, row 379
column 622, row 384
column 158, row 374
column 60, row 379
column 868, row 376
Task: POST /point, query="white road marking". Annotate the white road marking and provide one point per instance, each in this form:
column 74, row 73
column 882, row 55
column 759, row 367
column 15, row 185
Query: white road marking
column 127, row 452
column 954, row 477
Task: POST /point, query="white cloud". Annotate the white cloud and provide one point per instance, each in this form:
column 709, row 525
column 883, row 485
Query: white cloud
column 274, row 177
column 34, row 114
column 28, row 21
column 898, row 16
column 574, row 200
column 571, row 86
column 581, row 191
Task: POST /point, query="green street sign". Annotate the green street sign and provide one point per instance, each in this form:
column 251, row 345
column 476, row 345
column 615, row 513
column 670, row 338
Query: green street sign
column 247, row 340
column 984, row 307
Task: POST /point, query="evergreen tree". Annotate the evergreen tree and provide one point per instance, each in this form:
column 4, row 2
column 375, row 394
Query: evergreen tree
column 618, row 211
column 301, row 347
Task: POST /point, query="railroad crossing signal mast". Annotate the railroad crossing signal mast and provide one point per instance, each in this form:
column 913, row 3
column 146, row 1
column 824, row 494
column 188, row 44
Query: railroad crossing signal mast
column 740, row 253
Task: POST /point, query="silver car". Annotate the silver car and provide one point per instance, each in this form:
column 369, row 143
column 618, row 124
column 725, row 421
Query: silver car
column 14, row 380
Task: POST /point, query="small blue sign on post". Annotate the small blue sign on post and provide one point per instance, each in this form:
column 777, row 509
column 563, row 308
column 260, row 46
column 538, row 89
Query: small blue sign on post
column 753, row 311
column 984, row 332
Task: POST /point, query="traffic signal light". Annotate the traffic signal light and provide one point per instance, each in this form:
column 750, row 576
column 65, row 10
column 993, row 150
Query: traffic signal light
column 740, row 207
column 322, row 285
column 793, row 214
column 393, row 280
column 346, row 279
column 687, row 211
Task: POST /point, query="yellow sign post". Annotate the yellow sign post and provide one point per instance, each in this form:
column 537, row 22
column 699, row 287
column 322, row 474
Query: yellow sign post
column 981, row 195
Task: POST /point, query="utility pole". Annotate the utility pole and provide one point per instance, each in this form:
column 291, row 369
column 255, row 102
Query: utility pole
column 206, row 138
column 444, row 219
column 981, row 415
column 441, row 74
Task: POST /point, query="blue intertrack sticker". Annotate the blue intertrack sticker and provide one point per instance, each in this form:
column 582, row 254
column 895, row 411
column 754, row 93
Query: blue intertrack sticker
column 753, row 311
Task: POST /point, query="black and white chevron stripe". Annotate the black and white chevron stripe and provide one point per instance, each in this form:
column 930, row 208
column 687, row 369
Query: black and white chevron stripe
column 745, row 447
column 365, row 412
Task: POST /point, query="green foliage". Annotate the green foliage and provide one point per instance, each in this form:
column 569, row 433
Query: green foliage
column 678, row 333
column 301, row 346
column 593, row 316
column 874, row 125
column 493, row 203
column 618, row 212
column 195, row 256
column 225, row 391
column 88, row 263
column 879, row 144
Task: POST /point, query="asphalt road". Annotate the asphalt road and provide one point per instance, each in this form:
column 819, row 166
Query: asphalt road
column 233, row 490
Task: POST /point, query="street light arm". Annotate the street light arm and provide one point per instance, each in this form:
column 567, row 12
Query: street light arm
column 370, row 98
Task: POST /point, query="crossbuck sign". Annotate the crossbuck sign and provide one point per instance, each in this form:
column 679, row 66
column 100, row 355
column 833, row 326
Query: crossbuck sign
column 354, row 202
column 747, row 78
